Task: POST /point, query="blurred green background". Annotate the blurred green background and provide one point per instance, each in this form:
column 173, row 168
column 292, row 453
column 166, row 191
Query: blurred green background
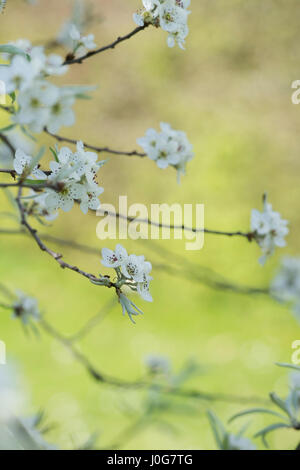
column 231, row 92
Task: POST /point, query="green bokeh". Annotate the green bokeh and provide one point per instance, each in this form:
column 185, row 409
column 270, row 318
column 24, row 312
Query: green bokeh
column 231, row 92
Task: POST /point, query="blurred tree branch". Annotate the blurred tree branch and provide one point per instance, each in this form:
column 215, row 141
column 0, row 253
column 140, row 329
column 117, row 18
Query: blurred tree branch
column 141, row 384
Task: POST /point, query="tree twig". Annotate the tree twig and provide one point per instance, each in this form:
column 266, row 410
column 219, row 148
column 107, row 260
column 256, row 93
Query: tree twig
column 56, row 256
column 12, row 173
column 150, row 222
column 120, row 39
column 187, row 271
column 7, row 142
column 60, row 138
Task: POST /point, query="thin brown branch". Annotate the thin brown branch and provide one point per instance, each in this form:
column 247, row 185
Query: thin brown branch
column 147, row 221
column 79, row 60
column 12, row 173
column 36, row 187
column 187, row 271
column 150, row 222
column 133, row 153
column 56, row 256
column 7, row 142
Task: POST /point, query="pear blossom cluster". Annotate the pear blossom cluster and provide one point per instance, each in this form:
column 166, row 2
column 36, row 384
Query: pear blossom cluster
column 167, row 148
column 286, row 284
column 268, row 229
column 170, row 15
column 72, row 177
column 132, row 271
column 41, row 104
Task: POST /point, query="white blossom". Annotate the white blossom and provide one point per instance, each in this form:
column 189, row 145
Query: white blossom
column 82, row 44
column 134, row 267
column 18, row 75
column 114, row 259
column 41, row 104
column 22, row 166
column 40, row 209
column 45, row 105
column 132, row 271
column 81, row 165
column 35, row 104
column 61, row 113
column 89, row 200
column 143, row 287
column 170, row 15
column 75, row 176
column 23, row 44
column 86, row 163
column 65, row 198
column 39, row 65
column 268, row 229
column 46, row 65
column 167, row 148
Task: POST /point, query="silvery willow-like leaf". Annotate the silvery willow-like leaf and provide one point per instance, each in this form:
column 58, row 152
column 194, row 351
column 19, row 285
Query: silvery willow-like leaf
column 281, row 404
column 288, row 366
column 256, row 410
column 273, row 427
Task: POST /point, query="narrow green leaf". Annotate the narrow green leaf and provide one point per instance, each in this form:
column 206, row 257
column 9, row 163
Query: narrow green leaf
column 54, row 154
column 13, row 96
column 27, row 133
column 7, row 128
column 34, row 182
column 10, row 49
column 217, row 427
column 82, row 96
